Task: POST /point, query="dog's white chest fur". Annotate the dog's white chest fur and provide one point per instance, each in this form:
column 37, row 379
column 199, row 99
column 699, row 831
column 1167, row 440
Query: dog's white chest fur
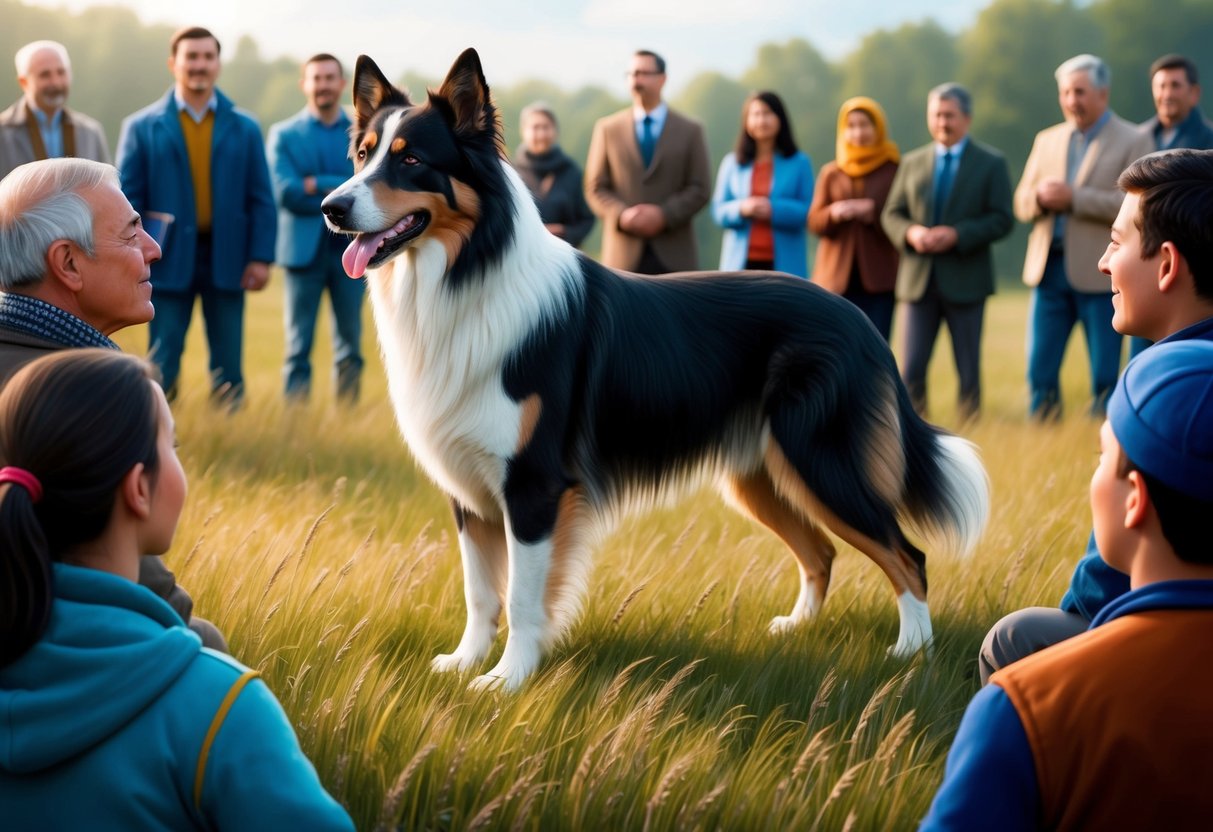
column 444, row 352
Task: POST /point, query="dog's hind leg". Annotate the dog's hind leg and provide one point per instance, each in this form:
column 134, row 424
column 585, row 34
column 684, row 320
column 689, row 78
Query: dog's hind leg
column 901, row 561
column 482, row 548
column 546, row 580
column 755, row 495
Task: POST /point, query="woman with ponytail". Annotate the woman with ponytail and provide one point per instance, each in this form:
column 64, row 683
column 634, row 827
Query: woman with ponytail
column 110, row 709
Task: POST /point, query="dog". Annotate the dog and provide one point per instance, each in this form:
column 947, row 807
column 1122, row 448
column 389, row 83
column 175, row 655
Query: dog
column 548, row 395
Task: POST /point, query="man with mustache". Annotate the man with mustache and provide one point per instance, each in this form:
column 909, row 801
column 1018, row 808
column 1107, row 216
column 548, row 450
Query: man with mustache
column 39, row 125
column 309, row 157
column 194, row 156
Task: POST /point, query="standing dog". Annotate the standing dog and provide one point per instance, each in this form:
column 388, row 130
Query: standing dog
column 547, row 394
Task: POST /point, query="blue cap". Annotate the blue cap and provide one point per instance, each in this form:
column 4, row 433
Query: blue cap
column 1162, row 414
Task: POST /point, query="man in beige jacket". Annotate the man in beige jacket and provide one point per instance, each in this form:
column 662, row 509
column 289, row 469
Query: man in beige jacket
column 39, row 125
column 1068, row 192
column 647, row 176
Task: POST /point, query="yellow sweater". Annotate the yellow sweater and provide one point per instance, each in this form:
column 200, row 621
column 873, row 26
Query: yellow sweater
column 198, row 145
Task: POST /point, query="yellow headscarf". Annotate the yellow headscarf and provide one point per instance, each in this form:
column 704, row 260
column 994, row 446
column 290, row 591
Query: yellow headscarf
column 856, row 161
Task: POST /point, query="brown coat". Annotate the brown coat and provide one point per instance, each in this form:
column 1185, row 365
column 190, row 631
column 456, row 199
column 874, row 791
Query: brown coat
column 18, row 349
column 842, row 244
column 679, row 180
column 15, row 147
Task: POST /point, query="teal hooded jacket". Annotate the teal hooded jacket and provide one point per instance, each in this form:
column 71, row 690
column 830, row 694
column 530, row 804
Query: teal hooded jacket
column 103, row 723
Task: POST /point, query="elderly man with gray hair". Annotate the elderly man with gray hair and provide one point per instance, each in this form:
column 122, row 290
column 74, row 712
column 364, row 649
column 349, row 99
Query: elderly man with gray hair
column 39, row 125
column 1068, row 192
column 75, row 267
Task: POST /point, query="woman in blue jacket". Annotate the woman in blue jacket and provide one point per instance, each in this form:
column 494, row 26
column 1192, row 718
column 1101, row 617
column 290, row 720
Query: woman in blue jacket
column 763, row 191
column 113, row 716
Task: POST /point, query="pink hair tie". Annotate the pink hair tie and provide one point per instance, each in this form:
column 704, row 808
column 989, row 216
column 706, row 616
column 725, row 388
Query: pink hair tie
column 23, row 478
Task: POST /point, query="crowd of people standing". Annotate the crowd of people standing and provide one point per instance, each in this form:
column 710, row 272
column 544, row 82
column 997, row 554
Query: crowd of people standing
column 197, row 209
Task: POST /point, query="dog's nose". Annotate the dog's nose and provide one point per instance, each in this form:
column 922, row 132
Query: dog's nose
column 336, row 207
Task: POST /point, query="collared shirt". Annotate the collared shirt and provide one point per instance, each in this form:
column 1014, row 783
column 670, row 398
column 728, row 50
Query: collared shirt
column 196, row 115
column 332, row 143
column 40, row 319
column 1080, row 141
column 957, row 150
column 657, row 115
column 52, row 132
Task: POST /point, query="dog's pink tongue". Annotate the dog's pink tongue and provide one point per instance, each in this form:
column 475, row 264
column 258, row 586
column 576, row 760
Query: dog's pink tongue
column 360, row 252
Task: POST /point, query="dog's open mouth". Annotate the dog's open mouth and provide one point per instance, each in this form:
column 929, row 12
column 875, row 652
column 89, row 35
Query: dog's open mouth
column 370, row 249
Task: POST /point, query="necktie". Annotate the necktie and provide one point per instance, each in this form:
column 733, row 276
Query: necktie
column 943, row 187
column 647, row 143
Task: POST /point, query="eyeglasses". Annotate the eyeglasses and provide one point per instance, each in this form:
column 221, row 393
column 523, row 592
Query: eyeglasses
column 641, row 73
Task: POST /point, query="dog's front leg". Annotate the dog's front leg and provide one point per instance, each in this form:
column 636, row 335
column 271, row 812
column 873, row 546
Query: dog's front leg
column 482, row 548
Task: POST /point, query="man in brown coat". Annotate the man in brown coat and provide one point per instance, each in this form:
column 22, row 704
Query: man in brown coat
column 646, row 177
column 75, row 267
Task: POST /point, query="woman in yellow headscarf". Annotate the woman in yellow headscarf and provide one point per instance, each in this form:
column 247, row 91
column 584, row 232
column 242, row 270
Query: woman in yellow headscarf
column 854, row 257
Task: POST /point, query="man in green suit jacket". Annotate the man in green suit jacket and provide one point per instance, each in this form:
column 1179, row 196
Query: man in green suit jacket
column 949, row 201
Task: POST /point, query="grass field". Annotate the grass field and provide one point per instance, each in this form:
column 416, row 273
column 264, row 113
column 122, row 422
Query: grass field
column 313, row 541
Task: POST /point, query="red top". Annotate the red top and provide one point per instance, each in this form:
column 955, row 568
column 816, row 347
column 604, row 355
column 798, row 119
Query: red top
column 762, row 242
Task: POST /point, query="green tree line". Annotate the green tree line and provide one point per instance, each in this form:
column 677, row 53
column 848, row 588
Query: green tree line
column 1006, row 57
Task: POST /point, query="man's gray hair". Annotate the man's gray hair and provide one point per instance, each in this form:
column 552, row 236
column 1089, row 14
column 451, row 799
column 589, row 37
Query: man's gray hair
column 26, row 54
column 1096, row 69
column 40, row 203
column 954, row 92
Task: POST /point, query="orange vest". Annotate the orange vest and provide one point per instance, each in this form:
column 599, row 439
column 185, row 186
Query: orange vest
column 1120, row 723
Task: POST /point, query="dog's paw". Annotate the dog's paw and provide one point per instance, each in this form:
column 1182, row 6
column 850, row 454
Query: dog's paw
column 781, row 624
column 450, row 663
column 488, row 682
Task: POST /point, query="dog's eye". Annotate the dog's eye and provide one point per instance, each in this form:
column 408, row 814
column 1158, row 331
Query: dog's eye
column 361, row 154
column 410, row 159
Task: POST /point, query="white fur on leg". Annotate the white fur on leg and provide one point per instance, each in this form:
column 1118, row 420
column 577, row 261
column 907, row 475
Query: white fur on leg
column 530, row 627
column 807, row 604
column 915, row 626
column 483, row 600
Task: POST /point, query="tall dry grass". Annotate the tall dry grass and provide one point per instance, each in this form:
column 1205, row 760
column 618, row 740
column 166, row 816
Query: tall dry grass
column 311, row 539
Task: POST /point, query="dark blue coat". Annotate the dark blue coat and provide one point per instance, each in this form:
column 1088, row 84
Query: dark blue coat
column 155, row 171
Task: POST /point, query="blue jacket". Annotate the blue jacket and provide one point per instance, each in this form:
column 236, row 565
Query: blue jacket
column 295, row 154
column 791, row 193
column 1094, row 583
column 103, row 721
column 1195, row 132
column 155, row 171
column 991, row 781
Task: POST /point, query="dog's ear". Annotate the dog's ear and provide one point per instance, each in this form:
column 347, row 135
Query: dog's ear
column 372, row 90
column 467, row 93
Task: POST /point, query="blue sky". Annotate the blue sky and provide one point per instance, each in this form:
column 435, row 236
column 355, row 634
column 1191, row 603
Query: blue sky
column 570, row 42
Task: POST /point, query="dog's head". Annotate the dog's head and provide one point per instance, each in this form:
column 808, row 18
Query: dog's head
column 423, row 171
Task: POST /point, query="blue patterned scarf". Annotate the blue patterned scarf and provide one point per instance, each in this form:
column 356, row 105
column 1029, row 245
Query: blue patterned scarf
column 43, row 320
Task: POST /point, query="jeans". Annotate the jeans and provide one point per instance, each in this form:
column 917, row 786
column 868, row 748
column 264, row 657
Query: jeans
column 304, row 287
column 1056, row 307
column 223, row 313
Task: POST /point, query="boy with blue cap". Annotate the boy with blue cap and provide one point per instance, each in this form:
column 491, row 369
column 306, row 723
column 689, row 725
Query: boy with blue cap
column 1160, row 265
column 1112, row 729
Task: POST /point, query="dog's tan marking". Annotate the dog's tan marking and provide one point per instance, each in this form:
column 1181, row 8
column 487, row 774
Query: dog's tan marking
column 531, row 409
column 452, row 227
column 885, row 457
column 567, row 537
column 370, row 140
column 755, row 494
column 397, row 145
column 489, row 540
column 897, row 565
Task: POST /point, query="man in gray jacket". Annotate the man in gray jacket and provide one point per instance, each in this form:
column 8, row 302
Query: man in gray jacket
column 39, row 125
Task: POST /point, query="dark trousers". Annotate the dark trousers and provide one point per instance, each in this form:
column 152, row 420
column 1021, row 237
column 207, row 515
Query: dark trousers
column 223, row 313
column 878, row 306
column 650, row 263
column 964, row 322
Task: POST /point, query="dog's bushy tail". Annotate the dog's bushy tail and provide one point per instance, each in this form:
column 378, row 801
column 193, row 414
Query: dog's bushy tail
column 947, row 491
